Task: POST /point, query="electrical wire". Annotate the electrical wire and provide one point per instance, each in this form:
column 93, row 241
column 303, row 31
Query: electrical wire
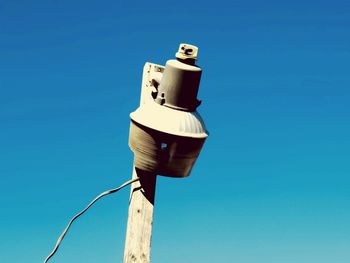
column 111, row 191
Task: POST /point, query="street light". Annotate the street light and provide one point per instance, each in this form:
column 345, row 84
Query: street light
column 166, row 136
column 166, row 131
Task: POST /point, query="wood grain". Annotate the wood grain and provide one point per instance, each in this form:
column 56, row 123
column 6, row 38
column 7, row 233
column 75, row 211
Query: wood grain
column 140, row 218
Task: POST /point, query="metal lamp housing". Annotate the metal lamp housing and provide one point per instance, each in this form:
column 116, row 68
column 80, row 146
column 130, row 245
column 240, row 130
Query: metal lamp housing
column 166, row 132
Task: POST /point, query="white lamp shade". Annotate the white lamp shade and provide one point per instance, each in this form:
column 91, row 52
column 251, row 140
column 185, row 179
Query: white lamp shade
column 166, row 141
column 171, row 121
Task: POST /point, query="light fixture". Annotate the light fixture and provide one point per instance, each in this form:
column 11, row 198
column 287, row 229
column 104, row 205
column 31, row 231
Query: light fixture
column 166, row 131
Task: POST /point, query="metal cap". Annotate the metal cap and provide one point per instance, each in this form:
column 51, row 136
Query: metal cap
column 187, row 51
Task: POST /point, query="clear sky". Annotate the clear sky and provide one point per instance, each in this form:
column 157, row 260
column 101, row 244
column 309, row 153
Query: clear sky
column 272, row 183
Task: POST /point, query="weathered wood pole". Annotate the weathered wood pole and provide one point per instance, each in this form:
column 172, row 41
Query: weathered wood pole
column 140, row 218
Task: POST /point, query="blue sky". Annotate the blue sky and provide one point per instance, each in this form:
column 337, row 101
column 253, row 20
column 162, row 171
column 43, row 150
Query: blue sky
column 272, row 183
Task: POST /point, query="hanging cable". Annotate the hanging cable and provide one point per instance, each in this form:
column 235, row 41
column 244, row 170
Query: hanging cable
column 111, row 191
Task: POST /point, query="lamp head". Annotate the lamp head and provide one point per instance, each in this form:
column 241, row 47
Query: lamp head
column 166, row 131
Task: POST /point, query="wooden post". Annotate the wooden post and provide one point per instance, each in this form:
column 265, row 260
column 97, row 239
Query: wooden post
column 140, row 218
